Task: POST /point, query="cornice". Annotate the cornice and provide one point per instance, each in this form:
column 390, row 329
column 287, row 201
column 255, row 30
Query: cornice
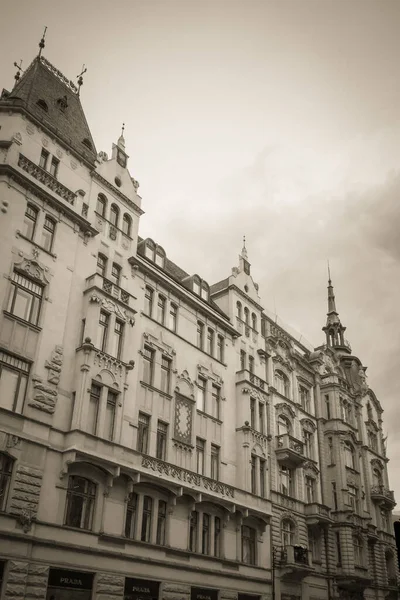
column 117, row 192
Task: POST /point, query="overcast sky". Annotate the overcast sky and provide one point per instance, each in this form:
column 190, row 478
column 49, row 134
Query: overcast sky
column 279, row 120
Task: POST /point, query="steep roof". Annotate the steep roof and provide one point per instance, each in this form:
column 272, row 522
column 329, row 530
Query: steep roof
column 64, row 116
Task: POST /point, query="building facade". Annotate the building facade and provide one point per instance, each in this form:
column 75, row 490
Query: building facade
column 161, row 437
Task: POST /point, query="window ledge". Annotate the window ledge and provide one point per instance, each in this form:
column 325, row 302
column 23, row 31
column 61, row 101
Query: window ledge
column 154, row 389
column 21, row 235
column 15, row 318
column 70, row 528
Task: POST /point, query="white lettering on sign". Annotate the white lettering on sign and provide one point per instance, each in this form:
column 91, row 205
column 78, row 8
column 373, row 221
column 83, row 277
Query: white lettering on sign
column 141, row 590
column 70, row 581
column 201, row 597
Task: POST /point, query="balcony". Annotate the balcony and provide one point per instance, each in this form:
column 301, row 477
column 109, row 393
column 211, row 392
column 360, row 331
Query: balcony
column 289, row 451
column 46, row 179
column 383, row 496
column 317, row 514
column 294, row 562
column 245, row 375
column 108, row 287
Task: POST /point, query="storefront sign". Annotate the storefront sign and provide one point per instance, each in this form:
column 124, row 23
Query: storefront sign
column 203, row 594
column 248, row 597
column 141, row 588
column 58, row 578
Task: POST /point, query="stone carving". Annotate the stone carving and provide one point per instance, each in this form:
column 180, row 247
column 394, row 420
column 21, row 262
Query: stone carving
column 26, row 492
column 36, row 585
column 45, row 142
column 44, row 397
column 112, row 307
column 377, row 464
column 308, row 424
column 285, row 408
column 30, row 129
column 187, row 476
column 12, row 441
column 183, row 419
column 59, row 153
column 16, row 580
column 109, row 586
column 310, row 467
column 54, row 365
column 33, row 269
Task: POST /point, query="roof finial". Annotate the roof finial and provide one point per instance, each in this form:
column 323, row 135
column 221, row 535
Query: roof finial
column 329, row 274
column 19, row 71
column 41, row 43
column 121, row 139
column 244, row 250
column 80, row 78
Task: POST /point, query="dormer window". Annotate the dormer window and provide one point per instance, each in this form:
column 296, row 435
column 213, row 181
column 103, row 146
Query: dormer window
column 87, row 143
column 160, row 257
column 149, row 250
column 204, row 291
column 62, row 103
column 196, row 286
column 43, row 105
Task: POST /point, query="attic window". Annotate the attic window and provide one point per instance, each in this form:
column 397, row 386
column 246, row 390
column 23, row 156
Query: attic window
column 42, row 104
column 62, row 103
column 87, row 143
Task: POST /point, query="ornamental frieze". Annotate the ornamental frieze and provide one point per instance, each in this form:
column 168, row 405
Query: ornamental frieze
column 112, row 307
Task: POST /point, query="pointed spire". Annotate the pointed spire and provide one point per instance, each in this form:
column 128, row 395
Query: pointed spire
column 331, row 295
column 244, row 249
column 333, row 329
column 19, row 71
column 121, row 139
column 80, row 78
column 41, row 43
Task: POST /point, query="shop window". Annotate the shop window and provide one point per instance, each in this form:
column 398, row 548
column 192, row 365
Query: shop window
column 248, row 545
column 69, row 585
column 25, row 298
column 81, row 496
column 14, row 374
column 6, row 467
column 30, row 219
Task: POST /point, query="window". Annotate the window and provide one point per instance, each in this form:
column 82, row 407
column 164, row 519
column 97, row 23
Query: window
column 205, row 537
column 210, row 342
column 220, row 348
column 146, row 519
column 130, row 520
column 173, row 314
column 384, row 520
column 251, row 364
column 216, row 401
column 201, row 394
column 104, row 322
column 253, row 474
column 148, row 365
column 30, row 219
column 214, row 462
column 313, row 544
column 334, row 495
column 373, row 441
column 262, row 478
column 193, row 531
column 261, row 417
column 161, row 519
column 143, row 433
column 43, row 105
column 248, row 545
column 282, row 384
column 254, row 321
column 200, row 335
column 204, row 291
column 308, row 439
column 310, row 490
column 160, row 257
column 101, row 205
column 6, row 465
column 239, row 310
column 377, row 478
column 44, row 156
column 148, row 301
column 149, row 250
column 14, row 374
column 118, row 338
column 331, row 454
column 25, row 298
column 327, row 406
column 126, row 224
column 304, row 394
column 242, row 360
column 200, row 446
column 54, row 166
column 338, row 549
column 114, row 215
column 358, row 551
column 111, row 407
column 165, row 374
column 161, row 309
column 353, row 498
column 196, row 286
column 252, row 413
column 246, row 315
column 116, row 274
column 80, row 502
column 217, row 536
column 101, row 265
column 93, row 412
column 283, row 425
column 285, row 481
column 162, row 433
column 287, row 533
column 349, row 455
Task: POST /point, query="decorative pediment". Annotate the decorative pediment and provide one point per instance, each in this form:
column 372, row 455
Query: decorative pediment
column 34, row 270
column 253, row 393
column 113, row 307
column 377, row 464
column 308, row 425
column 280, row 360
column 310, row 468
column 285, row 408
column 208, row 372
column 159, row 344
column 185, row 386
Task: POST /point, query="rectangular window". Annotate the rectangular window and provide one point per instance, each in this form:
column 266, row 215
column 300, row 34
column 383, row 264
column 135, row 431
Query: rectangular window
column 161, row 519
column 130, row 521
column 81, row 495
column 30, row 219
column 248, row 545
column 205, row 537
column 338, row 549
column 261, row 417
column 313, row 544
column 54, row 166
column 161, row 309
column 327, row 406
column 25, row 299
column 200, row 335
column 44, row 156
column 220, row 348
column 193, row 531
column 285, row 481
column 101, row 265
column 6, row 465
column 162, row 433
column 216, row 401
column 14, row 374
column 148, row 301
column 217, row 536
column 253, row 474
column 310, row 490
column 143, row 433
column 165, row 374
column 308, row 440
column 146, row 519
column 304, row 394
column 49, row 229
column 331, row 455
column 173, row 316
column 201, row 394
column 242, row 360
column 252, row 413
column 353, row 498
column 94, row 404
column 104, row 322
column 111, row 407
column 334, row 494
column 200, row 446
column 148, row 365
column 251, row 364
column 262, row 478
column 210, row 342
column 118, row 338
column 214, row 462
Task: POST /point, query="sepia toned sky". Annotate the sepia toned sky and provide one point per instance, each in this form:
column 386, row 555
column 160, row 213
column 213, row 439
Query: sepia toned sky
column 279, row 120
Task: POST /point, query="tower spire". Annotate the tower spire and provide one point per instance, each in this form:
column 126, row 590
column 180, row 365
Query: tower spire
column 41, row 43
column 333, row 329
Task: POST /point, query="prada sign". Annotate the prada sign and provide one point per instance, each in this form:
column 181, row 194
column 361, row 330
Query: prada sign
column 59, row 578
column 203, row 594
column 141, row 588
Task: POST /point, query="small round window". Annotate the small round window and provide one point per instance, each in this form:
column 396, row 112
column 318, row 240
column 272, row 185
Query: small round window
column 118, row 181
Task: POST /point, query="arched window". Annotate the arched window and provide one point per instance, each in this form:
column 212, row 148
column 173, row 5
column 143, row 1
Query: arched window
column 284, row 425
column 282, row 384
column 114, row 215
column 358, row 551
column 43, row 105
column 287, row 533
column 101, row 205
column 126, row 224
column 49, row 229
column 6, row 465
column 30, row 219
column 246, row 315
column 81, row 496
column 101, row 264
column 377, row 478
column 349, row 455
column 254, row 321
column 239, row 309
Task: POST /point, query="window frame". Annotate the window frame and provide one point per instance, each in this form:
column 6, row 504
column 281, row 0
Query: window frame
column 147, row 518
column 29, row 221
column 43, row 160
column 114, row 215
column 248, row 538
column 126, row 224
column 161, row 308
column 6, row 473
column 148, row 301
column 54, row 165
column 215, row 462
column 101, row 265
column 200, row 455
column 143, row 433
column 166, row 371
column 201, row 396
column 131, row 515
column 88, row 503
column 48, row 246
column 173, row 316
column 9, row 362
column 148, row 355
column 161, row 440
column 104, row 329
column 101, row 201
column 32, row 289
